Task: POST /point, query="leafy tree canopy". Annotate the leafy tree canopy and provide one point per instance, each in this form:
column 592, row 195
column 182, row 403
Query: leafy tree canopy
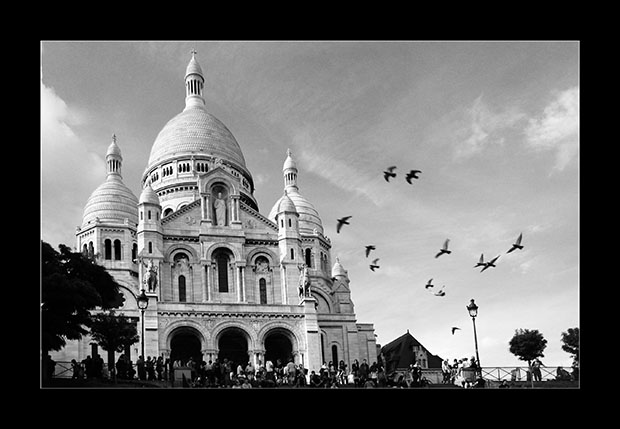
column 527, row 344
column 570, row 340
column 113, row 332
column 71, row 285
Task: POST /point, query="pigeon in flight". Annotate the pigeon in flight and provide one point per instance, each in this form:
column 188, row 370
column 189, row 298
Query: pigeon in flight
column 444, row 249
column 454, row 328
column 413, row 174
column 369, row 249
column 440, row 292
column 429, row 284
column 389, row 173
column 517, row 244
column 342, row 221
column 374, row 264
column 481, row 262
column 491, row 263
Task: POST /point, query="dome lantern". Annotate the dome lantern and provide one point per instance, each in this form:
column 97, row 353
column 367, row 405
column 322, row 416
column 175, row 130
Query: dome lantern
column 194, row 83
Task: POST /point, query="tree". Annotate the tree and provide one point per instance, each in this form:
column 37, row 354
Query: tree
column 528, row 345
column 571, row 344
column 72, row 284
column 113, row 333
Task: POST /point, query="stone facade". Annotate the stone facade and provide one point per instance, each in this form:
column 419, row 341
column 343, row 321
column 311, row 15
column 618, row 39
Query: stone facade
column 222, row 282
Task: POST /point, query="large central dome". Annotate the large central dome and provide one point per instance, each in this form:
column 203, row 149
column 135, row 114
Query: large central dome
column 195, row 131
column 191, row 143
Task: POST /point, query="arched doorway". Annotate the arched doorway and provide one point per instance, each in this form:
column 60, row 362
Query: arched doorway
column 278, row 345
column 233, row 345
column 185, row 342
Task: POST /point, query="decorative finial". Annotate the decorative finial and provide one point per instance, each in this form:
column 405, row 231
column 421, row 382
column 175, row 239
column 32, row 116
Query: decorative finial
column 193, row 52
column 288, row 152
column 337, row 259
column 114, row 138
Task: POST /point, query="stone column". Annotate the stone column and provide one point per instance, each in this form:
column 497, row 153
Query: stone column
column 242, row 275
column 313, row 336
column 203, row 282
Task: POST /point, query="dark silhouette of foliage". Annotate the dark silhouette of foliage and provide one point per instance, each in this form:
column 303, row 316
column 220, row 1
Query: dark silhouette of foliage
column 72, row 284
column 527, row 344
column 113, row 333
column 571, row 344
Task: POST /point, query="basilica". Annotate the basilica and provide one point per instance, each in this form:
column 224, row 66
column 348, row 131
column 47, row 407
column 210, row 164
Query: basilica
column 222, row 279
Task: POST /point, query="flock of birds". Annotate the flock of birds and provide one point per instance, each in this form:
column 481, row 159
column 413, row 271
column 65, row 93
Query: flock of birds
column 390, row 173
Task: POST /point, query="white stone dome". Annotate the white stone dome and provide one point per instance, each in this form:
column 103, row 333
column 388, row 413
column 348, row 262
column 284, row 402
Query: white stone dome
column 149, row 196
column 284, row 204
column 309, row 219
column 338, row 269
column 195, row 131
column 112, row 201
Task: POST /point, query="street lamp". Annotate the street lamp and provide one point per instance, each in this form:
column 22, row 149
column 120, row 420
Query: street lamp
column 473, row 312
column 143, row 303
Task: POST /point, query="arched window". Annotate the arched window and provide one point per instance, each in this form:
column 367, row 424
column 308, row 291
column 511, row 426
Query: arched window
column 309, row 257
column 292, row 254
column 91, row 249
column 335, row 354
column 149, row 214
column 150, row 247
column 262, row 289
column 85, row 249
column 134, row 252
column 167, row 211
column 182, row 295
column 290, row 224
column 107, row 246
column 117, row 250
column 222, row 271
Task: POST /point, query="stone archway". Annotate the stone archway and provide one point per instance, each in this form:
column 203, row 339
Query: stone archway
column 278, row 346
column 232, row 344
column 185, row 342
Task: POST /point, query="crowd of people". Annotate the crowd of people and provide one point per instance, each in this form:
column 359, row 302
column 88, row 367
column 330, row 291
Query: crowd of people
column 462, row 372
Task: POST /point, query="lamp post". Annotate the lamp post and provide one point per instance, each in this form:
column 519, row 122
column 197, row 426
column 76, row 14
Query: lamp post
column 143, row 303
column 473, row 312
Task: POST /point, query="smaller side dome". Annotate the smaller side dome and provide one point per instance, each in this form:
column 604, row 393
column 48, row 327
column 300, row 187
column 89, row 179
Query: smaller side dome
column 338, row 269
column 285, row 204
column 149, row 196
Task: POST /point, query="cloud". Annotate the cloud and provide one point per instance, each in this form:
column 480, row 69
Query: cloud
column 557, row 128
column 482, row 127
column 68, row 169
column 337, row 168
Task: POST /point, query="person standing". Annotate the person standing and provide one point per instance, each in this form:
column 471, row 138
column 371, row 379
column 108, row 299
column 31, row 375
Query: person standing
column 140, row 364
column 536, row 369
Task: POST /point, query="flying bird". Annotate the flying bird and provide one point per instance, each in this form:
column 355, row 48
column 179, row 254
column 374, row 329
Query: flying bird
column 389, row 173
column 440, row 292
column 480, row 262
column 413, row 174
column 444, row 249
column 374, row 264
column 517, row 244
column 491, row 263
column 369, row 248
column 342, row 221
column 429, row 284
column 454, row 328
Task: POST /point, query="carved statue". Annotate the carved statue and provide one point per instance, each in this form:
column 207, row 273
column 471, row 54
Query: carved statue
column 151, row 275
column 304, row 282
column 220, row 210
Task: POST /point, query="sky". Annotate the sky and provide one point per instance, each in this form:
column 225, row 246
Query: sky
column 492, row 125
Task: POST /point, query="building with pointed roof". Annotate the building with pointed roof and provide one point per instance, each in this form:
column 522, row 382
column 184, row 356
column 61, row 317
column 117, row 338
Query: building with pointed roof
column 406, row 350
column 223, row 280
